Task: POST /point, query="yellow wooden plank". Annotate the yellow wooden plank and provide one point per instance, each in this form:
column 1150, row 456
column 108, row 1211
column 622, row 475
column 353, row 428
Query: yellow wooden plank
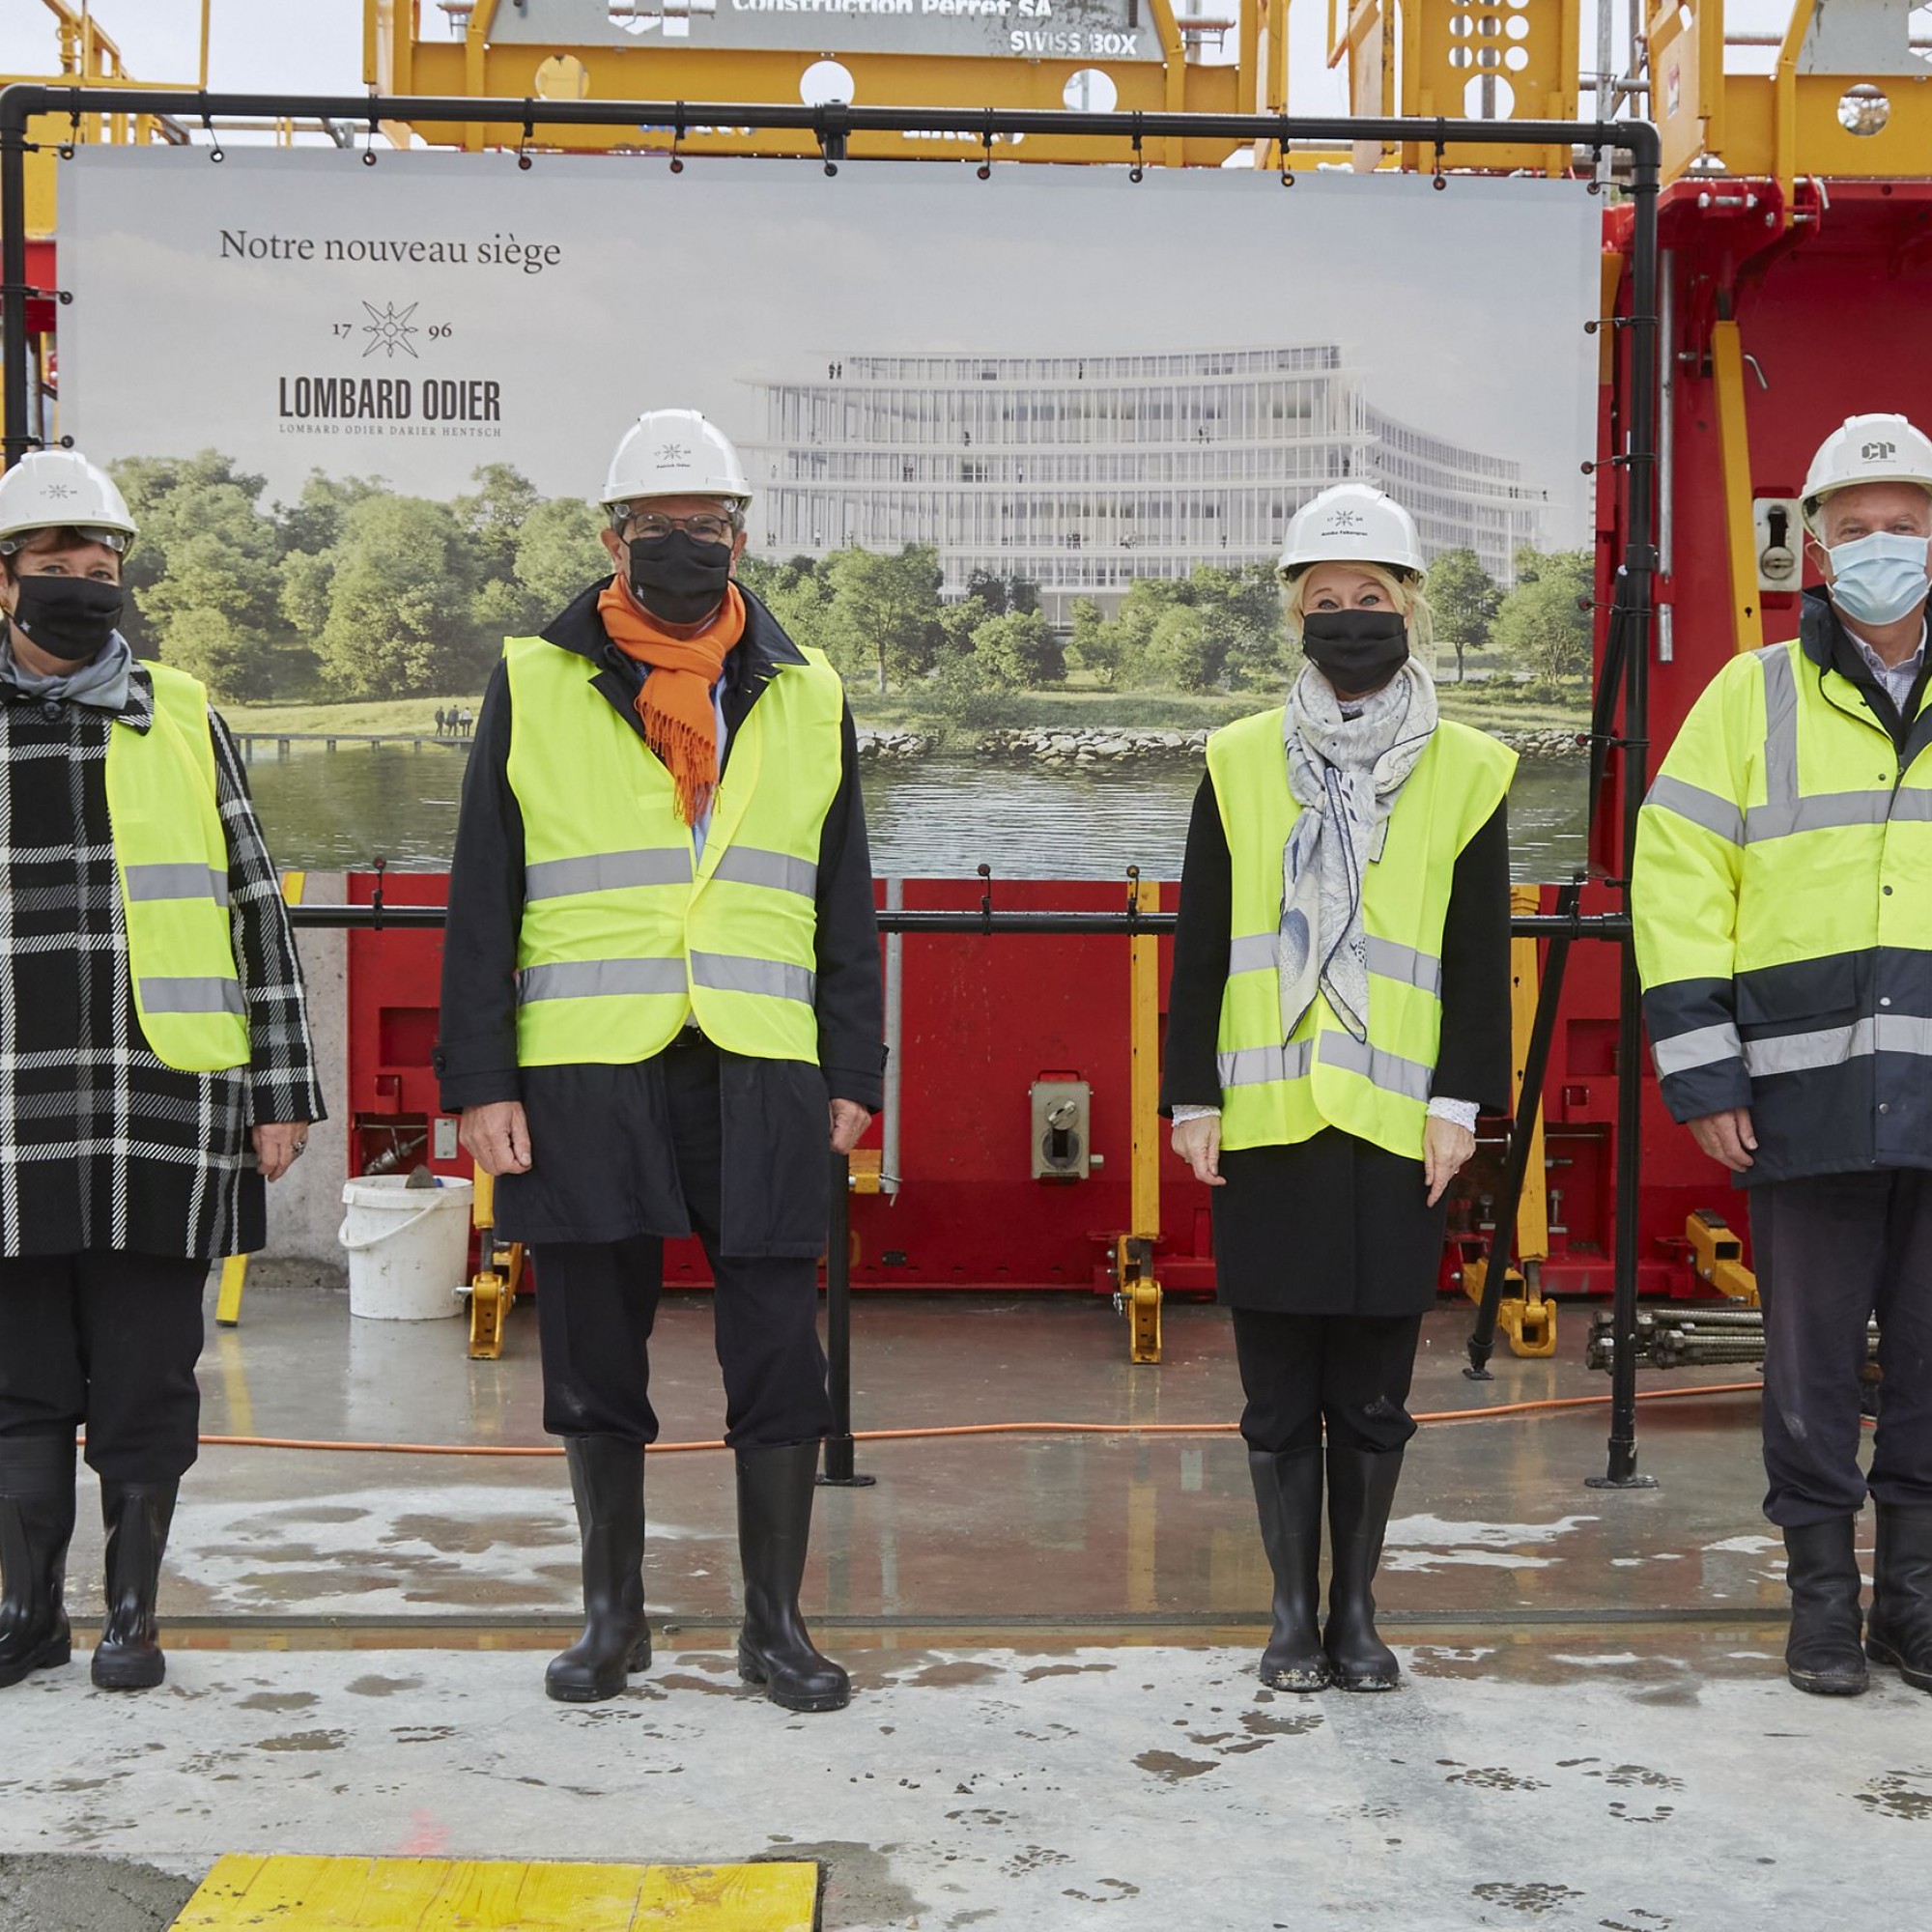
column 325, row 1894
column 574, row 1898
column 729, row 1898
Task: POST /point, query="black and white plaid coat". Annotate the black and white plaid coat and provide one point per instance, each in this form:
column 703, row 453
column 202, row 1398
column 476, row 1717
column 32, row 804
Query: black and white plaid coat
column 102, row 1145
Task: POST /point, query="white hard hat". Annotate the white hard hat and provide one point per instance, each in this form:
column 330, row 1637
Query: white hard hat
column 1351, row 522
column 674, row 453
column 1867, row 449
column 58, row 489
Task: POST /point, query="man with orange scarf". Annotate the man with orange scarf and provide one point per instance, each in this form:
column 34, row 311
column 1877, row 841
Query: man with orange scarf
column 661, row 1000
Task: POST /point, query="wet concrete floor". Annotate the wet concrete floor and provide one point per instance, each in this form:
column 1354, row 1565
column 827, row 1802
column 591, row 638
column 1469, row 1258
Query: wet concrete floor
column 1493, row 1519
column 1637, row 1786
column 1051, row 1637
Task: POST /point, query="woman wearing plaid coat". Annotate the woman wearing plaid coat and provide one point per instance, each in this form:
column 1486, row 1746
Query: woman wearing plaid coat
column 156, row 1066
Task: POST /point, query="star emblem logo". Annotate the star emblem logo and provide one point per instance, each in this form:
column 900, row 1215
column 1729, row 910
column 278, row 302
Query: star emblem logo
column 674, row 453
column 389, row 329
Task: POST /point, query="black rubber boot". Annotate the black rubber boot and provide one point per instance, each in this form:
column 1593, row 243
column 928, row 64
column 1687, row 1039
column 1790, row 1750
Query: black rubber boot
column 775, row 1649
column 606, row 1480
column 1823, row 1655
column 1288, row 1493
column 137, row 1516
column 1361, row 1489
column 1900, row 1631
column 36, row 1525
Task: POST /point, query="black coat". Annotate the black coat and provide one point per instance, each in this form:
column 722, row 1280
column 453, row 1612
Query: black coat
column 1334, row 1225
column 601, row 1167
column 102, row 1145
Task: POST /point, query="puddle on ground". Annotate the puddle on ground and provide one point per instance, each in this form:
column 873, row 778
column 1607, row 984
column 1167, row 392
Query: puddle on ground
column 1040, row 1670
column 1172, row 1768
column 941, row 1676
column 1900, row 1794
column 280, row 1700
column 1290, row 1724
column 383, row 1687
column 304, row 1740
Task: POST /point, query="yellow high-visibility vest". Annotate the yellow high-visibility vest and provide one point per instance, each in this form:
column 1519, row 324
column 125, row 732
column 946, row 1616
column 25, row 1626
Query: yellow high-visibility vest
column 627, row 930
column 1276, row 1090
column 172, row 855
column 1782, row 897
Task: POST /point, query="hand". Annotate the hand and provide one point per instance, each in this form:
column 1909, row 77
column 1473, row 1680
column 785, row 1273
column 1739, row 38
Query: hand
column 276, row 1146
column 1198, row 1141
column 1729, row 1138
column 850, row 1121
column 1446, row 1149
column 496, row 1137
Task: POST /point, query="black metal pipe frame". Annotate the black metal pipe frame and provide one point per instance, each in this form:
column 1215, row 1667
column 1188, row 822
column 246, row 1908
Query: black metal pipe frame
column 389, row 917
column 1625, row 660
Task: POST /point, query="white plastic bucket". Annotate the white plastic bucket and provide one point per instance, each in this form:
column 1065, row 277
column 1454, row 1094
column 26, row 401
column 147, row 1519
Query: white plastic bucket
column 406, row 1247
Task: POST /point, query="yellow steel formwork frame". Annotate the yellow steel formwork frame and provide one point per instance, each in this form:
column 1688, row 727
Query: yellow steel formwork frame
column 1783, row 125
column 1137, row 1293
column 1728, row 377
column 398, row 59
column 89, row 57
column 1523, row 1316
column 1432, row 58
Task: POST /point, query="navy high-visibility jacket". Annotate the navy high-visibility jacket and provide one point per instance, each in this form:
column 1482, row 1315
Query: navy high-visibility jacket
column 1782, row 892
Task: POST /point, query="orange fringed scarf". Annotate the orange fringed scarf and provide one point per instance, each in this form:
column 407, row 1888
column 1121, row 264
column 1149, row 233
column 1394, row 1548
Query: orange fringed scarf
column 675, row 704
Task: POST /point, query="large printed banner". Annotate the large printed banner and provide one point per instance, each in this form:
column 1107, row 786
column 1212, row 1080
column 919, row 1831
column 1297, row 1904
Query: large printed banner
column 1019, row 365
column 1024, row 450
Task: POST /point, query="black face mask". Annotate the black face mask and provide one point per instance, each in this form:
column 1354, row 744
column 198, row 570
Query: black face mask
column 1357, row 651
column 70, row 618
column 678, row 578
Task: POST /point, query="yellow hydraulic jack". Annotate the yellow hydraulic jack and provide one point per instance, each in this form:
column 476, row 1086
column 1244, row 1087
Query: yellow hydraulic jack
column 1136, row 1291
column 500, row 1273
column 1523, row 1315
column 1718, row 1256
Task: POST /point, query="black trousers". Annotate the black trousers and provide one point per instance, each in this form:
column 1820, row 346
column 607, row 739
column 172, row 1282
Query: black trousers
column 1831, row 1252
column 109, row 1340
column 1350, row 1371
column 597, row 1302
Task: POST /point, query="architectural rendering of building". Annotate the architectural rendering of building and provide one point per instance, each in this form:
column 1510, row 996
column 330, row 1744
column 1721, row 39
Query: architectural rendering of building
column 1086, row 472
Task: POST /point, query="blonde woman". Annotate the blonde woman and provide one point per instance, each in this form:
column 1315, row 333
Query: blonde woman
column 1337, row 1016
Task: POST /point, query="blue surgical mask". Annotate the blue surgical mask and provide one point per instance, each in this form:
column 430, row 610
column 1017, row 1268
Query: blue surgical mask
column 1879, row 579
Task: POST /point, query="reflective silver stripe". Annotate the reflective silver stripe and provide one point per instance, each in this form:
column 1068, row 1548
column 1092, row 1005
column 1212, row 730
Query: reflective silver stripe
column 1781, row 725
column 177, row 882
column 1389, row 1071
column 1257, row 1066
column 1826, row 811
column 1914, row 803
column 732, row 973
column 1905, row 1033
column 192, row 995
column 1806, row 1052
column 1404, row 963
column 600, row 979
column 1255, row 952
column 752, row 866
column 607, row 872
column 1705, row 1046
column 1252, row 953
column 1701, row 806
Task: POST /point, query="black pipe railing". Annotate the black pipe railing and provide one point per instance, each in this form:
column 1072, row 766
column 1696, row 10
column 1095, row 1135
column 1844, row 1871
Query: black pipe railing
column 388, row 917
column 1624, row 674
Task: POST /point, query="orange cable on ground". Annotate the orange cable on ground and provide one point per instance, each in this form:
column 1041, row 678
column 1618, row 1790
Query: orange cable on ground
column 1542, row 1406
